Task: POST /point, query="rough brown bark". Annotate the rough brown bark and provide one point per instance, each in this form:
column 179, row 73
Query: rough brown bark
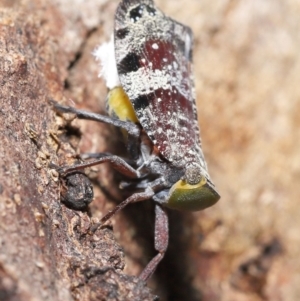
column 246, row 248
column 47, row 250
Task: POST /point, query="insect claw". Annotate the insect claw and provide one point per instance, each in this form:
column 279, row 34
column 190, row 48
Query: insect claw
column 60, row 108
column 95, row 227
column 51, row 165
column 62, row 171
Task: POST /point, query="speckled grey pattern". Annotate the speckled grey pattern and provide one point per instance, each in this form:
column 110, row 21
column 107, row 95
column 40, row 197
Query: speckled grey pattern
column 154, row 54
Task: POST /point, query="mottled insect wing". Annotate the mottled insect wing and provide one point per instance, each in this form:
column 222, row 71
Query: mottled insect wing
column 153, row 54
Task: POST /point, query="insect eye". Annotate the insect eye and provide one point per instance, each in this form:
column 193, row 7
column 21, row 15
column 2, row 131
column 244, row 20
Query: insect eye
column 193, row 174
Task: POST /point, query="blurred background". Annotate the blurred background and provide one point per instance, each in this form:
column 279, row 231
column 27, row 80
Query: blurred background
column 247, row 68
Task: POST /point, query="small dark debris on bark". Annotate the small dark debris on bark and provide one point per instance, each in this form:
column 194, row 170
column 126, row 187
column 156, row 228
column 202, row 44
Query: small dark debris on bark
column 76, row 191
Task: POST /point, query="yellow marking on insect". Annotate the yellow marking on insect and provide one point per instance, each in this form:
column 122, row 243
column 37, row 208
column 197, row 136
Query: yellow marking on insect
column 181, row 184
column 120, row 105
column 184, row 196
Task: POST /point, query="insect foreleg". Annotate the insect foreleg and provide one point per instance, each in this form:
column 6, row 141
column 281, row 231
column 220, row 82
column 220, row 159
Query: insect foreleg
column 161, row 241
column 129, row 126
column 136, row 197
column 118, row 163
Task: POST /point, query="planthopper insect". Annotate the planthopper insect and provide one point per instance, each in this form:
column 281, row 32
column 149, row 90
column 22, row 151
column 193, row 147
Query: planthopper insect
column 148, row 70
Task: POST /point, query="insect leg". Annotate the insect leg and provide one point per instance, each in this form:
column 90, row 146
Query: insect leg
column 129, row 126
column 133, row 146
column 136, row 197
column 87, row 156
column 118, row 163
column 161, row 241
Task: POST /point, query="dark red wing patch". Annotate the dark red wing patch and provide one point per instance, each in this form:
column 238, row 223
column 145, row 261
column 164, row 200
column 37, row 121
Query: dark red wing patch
column 169, row 124
column 154, row 66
